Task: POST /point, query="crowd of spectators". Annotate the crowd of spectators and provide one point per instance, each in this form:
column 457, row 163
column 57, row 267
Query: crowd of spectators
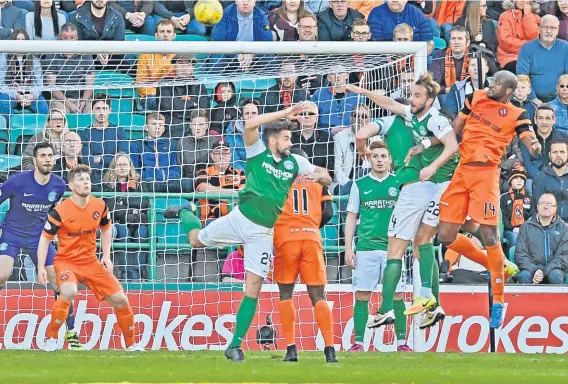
column 193, row 140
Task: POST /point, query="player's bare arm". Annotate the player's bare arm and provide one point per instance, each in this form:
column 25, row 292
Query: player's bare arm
column 457, row 124
column 350, row 225
column 382, row 101
column 533, row 145
column 450, row 148
column 321, row 176
column 106, row 242
column 362, row 137
column 251, row 126
column 41, row 258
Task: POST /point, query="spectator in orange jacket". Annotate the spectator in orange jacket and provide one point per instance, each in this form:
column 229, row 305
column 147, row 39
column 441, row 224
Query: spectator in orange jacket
column 518, row 24
column 447, row 14
column 364, row 6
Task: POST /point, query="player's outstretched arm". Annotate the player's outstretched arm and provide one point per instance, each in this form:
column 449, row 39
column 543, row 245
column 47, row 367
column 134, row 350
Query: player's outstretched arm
column 321, row 175
column 362, row 137
column 251, row 126
column 382, row 101
column 106, row 242
column 42, row 248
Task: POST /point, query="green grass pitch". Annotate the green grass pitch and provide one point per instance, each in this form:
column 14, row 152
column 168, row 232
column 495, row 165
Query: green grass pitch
column 266, row 367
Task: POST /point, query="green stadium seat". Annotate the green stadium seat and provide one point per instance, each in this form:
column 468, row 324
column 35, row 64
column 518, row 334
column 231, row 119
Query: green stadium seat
column 9, row 161
column 139, row 37
column 439, row 43
column 22, row 128
column 170, row 233
column 184, row 37
column 79, row 121
column 122, row 105
column 111, row 78
column 3, row 209
column 128, row 121
column 4, row 135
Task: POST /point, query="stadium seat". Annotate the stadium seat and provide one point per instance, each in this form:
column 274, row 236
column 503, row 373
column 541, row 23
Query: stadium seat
column 3, row 209
column 122, row 105
column 79, row 121
column 243, row 88
column 139, row 37
column 439, row 43
column 128, row 121
column 184, row 37
column 4, row 135
column 9, row 161
column 22, row 128
column 109, row 78
column 172, row 233
column 161, row 203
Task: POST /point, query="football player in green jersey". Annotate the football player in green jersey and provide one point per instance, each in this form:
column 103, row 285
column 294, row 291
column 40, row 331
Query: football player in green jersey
column 372, row 199
column 271, row 171
column 423, row 179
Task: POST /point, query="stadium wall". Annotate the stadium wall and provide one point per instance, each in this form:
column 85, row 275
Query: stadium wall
column 536, row 320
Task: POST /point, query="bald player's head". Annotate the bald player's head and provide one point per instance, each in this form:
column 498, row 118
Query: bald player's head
column 502, row 86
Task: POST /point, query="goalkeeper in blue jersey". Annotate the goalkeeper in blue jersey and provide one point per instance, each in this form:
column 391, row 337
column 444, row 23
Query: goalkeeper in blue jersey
column 32, row 194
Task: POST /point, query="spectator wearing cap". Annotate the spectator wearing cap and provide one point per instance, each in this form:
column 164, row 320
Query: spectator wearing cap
column 451, row 64
column 334, row 24
column 242, row 21
column 542, row 245
column 335, row 104
column 315, row 142
column 176, row 101
column 154, row 67
column 560, row 103
column 11, row 18
column 516, row 204
column 216, row 177
column 249, row 108
column 553, row 178
column 225, row 108
column 384, row 18
column 285, row 93
column 544, row 60
column 193, row 149
column 546, row 133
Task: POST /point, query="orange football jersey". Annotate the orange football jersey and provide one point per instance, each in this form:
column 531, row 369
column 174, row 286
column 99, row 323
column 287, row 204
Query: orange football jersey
column 301, row 217
column 76, row 229
column 489, row 128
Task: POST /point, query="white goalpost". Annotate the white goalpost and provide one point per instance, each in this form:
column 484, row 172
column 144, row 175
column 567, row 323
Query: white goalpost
column 184, row 299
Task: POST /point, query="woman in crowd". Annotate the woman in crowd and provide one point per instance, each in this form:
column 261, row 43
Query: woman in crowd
column 284, row 20
column 480, row 26
column 559, row 9
column 129, row 215
column 55, row 128
column 44, row 22
column 22, row 75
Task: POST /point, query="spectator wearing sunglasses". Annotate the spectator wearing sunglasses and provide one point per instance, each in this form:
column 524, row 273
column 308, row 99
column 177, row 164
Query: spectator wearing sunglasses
column 315, row 142
column 560, row 103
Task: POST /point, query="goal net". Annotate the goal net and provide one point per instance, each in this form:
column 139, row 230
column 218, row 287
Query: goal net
column 148, row 118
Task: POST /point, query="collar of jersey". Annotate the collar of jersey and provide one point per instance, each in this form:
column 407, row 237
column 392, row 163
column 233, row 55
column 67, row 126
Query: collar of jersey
column 430, row 112
column 379, row 180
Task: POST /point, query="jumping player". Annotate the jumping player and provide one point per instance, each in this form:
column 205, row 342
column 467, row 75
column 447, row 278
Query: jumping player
column 75, row 222
column 415, row 216
column 298, row 251
column 373, row 198
column 489, row 121
column 32, row 195
column 271, row 171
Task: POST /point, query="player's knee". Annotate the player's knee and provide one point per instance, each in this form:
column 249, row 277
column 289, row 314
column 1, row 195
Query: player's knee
column 118, row 300
column 363, row 295
column 316, row 293
column 399, row 296
column 4, row 278
column 286, row 291
column 68, row 292
column 489, row 235
column 194, row 239
column 446, row 238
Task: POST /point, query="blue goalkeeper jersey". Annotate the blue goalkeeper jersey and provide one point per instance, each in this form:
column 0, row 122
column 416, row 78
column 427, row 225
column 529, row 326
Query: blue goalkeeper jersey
column 30, row 202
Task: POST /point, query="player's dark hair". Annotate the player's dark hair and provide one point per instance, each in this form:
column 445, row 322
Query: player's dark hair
column 248, row 101
column 78, row 170
column 43, row 145
column 558, row 140
column 299, row 152
column 544, row 107
column 100, row 97
column 274, row 129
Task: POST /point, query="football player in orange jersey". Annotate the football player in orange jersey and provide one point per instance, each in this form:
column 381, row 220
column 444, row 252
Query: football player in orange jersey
column 489, row 121
column 76, row 222
column 298, row 251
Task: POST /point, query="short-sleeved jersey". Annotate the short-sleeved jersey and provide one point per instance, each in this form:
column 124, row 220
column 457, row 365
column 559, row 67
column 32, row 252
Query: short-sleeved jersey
column 374, row 200
column 76, row 229
column 489, row 128
column 268, row 182
column 30, row 203
column 302, row 213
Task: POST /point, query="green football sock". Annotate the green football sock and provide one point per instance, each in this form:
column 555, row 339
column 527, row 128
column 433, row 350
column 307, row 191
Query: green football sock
column 426, row 261
column 391, row 277
column 399, row 320
column 360, row 317
column 189, row 221
column 245, row 316
column 436, row 282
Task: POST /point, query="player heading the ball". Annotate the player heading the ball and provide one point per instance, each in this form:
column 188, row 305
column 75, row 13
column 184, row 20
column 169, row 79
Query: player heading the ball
column 76, row 222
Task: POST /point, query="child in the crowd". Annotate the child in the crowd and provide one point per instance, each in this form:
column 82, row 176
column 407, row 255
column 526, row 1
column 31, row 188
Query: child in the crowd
column 225, row 109
column 516, row 204
column 521, row 95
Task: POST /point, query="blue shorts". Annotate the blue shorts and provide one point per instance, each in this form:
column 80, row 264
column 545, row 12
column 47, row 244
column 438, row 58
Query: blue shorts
column 11, row 245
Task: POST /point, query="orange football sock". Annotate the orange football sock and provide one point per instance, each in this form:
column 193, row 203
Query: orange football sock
column 125, row 319
column 464, row 246
column 496, row 259
column 58, row 317
column 288, row 320
column 325, row 322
